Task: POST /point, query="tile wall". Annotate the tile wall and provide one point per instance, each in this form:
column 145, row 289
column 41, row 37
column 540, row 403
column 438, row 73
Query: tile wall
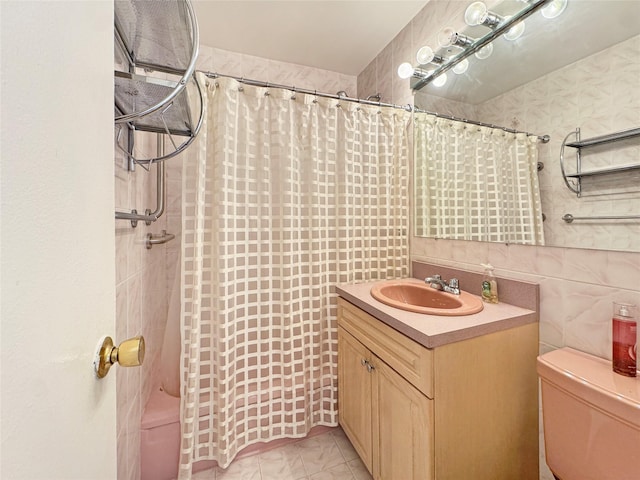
column 144, row 278
column 577, row 285
column 141, row 303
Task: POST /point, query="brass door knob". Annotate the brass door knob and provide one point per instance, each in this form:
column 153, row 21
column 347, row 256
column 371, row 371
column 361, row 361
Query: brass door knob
column 129, row 353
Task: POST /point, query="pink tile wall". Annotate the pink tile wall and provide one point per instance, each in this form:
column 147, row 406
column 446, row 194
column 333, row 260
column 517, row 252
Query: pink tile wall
column 140, row 301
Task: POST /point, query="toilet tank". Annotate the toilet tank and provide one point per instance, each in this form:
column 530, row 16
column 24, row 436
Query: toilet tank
column 591, row 417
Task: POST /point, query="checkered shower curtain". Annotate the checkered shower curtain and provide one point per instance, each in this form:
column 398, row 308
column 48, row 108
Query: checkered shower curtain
column 284, row 196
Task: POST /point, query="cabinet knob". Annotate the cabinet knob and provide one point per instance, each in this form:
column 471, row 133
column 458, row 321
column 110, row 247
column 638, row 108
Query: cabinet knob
column 370, row 368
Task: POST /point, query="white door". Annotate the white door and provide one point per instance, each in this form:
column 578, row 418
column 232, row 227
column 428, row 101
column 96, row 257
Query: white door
column 57, row 244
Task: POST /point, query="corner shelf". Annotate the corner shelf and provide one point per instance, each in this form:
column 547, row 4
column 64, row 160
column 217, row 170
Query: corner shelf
column 579, row 144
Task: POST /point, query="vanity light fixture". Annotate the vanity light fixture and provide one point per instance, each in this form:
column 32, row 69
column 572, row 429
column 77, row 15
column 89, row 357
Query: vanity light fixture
column 405, row 70
column 440, row 80
column 426, row 55
column 462, row 67
column 448, row 37
column 484, row 52
column 477, row 13
column 515, row 32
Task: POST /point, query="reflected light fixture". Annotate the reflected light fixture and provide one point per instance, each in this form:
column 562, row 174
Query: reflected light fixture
column 554, row 8
column 478, row 14
column 461, row 67
column 484, row 52
column 405, row 70
column 448, row 37
column 440, row 80
column 515, row 32
column 426, row 55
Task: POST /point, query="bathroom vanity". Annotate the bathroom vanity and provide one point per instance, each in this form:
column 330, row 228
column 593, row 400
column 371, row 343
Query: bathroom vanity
column 428, row 397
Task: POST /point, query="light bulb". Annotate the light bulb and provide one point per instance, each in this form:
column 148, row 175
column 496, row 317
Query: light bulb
column 515, row 32
column 475, row 13
column 461, row 67
column 485, row 52
column 447, row 37
column 425, row 55
column 440, row 80
column 405, row 70
column 554, row 8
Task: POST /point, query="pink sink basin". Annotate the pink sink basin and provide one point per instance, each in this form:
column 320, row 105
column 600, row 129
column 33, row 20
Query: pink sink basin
column 418, row 297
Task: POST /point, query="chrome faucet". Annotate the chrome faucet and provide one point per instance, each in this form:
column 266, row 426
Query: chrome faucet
column 439, row 284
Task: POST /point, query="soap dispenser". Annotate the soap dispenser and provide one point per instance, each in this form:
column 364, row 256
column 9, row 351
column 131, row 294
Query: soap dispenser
column 489, row 285
column 625, row 331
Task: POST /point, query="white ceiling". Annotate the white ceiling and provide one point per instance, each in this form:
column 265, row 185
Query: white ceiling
column 341, row 36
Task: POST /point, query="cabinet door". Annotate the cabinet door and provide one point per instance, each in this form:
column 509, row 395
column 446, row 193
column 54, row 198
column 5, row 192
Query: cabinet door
column 402, row 428
column 354, row 394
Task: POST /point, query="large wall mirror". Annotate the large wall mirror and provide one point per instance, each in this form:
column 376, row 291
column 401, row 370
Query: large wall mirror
column 580, row 70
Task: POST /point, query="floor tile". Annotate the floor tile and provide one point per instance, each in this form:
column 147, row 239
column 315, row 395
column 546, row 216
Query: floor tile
column 319, row 453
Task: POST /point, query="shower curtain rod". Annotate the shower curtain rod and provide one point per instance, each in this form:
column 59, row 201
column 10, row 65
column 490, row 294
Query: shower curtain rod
column 259, row 83
column 541, row 138
column 408, row 107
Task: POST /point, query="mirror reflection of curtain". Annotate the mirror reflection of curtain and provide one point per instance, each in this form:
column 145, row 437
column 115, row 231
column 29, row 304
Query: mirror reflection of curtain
column 475, row 183
column 284, row 196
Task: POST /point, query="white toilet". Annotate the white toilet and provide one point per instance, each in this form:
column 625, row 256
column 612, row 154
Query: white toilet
column 591, row 417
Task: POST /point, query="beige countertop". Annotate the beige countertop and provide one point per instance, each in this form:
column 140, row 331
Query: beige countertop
column 433, row 330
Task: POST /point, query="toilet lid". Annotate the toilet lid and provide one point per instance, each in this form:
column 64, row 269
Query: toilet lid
column 592, row 380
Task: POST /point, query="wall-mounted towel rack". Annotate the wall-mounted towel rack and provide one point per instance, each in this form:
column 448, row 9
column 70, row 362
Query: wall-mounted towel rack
column 156, row 37
column 570, row 218
column 575, row 184
column 158, row 239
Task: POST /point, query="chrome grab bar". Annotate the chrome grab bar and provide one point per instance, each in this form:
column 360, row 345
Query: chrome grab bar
column 150, row 216
column 158, row 239
column 570, row 218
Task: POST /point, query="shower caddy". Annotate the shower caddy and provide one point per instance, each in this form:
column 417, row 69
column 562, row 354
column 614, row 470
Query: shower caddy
column 575, row 184
column 155, row 88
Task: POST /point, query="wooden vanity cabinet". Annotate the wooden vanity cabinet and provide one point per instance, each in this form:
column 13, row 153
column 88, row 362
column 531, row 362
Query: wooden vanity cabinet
column 465, row 410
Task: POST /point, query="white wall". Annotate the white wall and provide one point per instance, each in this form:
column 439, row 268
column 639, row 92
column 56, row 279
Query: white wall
column 57, row 250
